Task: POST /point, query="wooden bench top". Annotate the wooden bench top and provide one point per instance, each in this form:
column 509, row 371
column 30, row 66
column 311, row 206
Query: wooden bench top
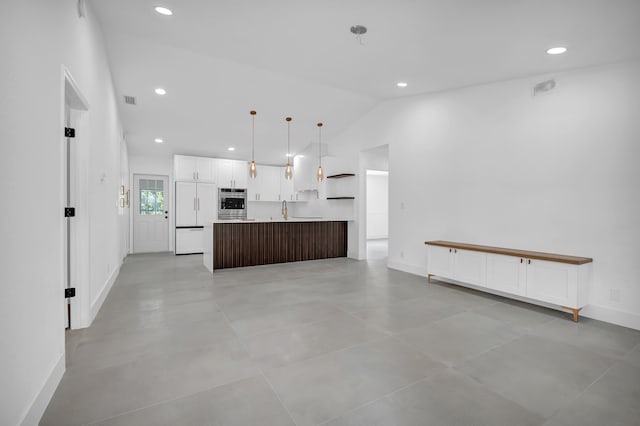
column 552, row 257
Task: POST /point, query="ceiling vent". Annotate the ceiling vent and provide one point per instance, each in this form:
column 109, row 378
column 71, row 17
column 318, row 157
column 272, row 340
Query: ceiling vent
column 129, row 100
column 544, row 87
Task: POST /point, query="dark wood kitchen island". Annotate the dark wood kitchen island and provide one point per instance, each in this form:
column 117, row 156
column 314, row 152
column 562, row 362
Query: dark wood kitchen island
column 237, row 243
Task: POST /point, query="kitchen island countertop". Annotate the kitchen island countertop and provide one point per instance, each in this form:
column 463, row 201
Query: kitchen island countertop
column 280, row 219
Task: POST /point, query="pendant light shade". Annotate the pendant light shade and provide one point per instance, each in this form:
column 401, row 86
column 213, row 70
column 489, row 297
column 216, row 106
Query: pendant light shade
column 288, row 170
column 320, row 173
column 252, row 167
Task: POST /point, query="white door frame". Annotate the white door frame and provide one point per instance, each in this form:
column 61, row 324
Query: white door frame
column 72, row 96
column 135, row 203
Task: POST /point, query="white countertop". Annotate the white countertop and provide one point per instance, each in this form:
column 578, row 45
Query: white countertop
column 280, row 219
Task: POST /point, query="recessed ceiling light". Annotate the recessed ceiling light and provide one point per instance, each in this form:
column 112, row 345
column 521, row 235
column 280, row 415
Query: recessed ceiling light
column 556, row 50
column 231, row 148
column 289, row 155
column 161, row 91
column 164, row 11
column 401, row 84
column 158, row 140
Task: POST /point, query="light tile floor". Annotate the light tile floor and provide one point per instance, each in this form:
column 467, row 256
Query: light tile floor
column 336, row 342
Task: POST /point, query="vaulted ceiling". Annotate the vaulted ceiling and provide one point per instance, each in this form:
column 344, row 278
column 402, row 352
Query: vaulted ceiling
column 218, row 60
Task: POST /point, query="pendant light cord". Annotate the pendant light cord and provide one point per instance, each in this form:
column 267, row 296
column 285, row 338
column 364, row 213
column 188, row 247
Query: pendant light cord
column 253, row 131
column 288, row 141
column 320, row 144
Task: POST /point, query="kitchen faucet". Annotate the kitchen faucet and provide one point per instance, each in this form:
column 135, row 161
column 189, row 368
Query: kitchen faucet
column 285, row 212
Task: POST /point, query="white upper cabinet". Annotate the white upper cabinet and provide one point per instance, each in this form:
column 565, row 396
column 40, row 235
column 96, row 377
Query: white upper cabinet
column 232, row 173
column 184, row 168
column 266, row 185
column 270, row 185
column 206, row 169
column 240, row 174
column 287, row 191
column 194, row 169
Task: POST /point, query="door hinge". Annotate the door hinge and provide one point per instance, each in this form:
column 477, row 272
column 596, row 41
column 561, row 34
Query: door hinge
column 69, row 292
column 69, row 132
column 69, row 212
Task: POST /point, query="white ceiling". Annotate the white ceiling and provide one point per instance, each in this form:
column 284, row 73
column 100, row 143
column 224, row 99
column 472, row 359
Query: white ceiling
column 218, row 60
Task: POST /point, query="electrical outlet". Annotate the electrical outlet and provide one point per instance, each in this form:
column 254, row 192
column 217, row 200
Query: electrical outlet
column 614, row 294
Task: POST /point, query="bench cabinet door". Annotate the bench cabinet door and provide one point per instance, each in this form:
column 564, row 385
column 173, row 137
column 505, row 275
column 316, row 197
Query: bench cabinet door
column 507, row 274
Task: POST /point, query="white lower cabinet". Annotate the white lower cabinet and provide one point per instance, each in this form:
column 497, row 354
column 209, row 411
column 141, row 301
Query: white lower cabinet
column 189, row 240
column 440, row 261
column 552, row 282
column 469, row 266
column 457, row 264
column 556, row 282
column 507, row 273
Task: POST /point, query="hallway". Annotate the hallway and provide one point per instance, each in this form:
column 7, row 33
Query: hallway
column 353, row 343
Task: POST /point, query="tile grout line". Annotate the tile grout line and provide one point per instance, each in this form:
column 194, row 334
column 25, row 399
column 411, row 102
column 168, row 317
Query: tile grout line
column 351, row 410
column 264, row 376
column 158, row 403
column 567, row 404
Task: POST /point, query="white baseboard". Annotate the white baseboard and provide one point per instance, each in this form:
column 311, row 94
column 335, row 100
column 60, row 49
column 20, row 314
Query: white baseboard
column 41, row 401
column 407, row 267
column 614, row 316
column 597, row 312
column 97, row 303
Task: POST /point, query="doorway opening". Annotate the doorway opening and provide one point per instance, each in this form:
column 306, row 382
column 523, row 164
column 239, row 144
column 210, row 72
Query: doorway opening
column 75, row 232
column 150, row 213
column 377, row 205
column 373, row 211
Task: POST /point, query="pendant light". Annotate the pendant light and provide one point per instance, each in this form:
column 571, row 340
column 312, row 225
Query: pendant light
column 252, row 167
column 320, row 173
column 288, row 170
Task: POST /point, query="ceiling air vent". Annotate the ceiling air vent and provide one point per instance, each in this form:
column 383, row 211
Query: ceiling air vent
column 544, row 87
column 129, row 100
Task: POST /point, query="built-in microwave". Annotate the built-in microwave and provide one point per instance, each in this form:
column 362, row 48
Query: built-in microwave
column 232, row 203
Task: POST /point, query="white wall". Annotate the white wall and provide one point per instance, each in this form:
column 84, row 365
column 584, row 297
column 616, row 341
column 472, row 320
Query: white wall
column 493, row 165
column 36, row 38
column 377, row 205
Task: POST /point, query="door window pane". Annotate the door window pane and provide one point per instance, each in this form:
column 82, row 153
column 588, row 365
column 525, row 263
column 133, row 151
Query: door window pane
column 151, row 196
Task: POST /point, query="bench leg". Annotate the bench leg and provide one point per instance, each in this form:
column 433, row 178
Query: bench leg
column 429, row 277
column 576, row 312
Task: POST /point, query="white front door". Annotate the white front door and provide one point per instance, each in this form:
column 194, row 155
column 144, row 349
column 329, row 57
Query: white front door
column 150, row 213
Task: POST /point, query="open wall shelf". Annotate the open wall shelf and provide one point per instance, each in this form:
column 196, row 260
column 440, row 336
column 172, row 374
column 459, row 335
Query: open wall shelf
column 340, row 176
column 341, row 198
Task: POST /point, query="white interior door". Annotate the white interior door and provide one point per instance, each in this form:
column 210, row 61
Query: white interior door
column 150, row 213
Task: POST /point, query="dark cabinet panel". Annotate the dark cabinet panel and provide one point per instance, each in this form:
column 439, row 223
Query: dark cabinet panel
column 248, row 244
